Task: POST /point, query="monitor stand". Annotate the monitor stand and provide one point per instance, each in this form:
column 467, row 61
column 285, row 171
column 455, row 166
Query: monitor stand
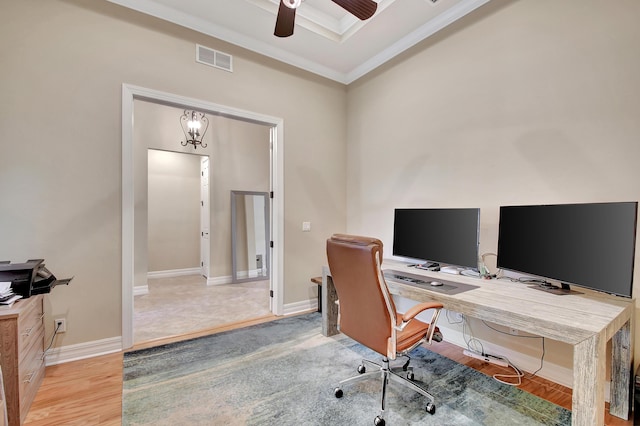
column 554, row 289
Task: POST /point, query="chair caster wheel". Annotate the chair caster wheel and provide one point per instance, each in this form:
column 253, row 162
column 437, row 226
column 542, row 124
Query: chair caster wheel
column 405, row 366
column 362, row 369
column 337, row 392
column 379, row 421
column 411, row 376
column 431, row 409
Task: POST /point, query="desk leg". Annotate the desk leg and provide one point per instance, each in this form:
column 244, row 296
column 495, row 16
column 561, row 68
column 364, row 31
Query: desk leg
column 588, row 382
column 621, row 372
column 329, row 306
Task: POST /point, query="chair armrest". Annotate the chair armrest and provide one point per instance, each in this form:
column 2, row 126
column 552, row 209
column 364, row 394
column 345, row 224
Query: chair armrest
column 420, row 307
column 434, row 332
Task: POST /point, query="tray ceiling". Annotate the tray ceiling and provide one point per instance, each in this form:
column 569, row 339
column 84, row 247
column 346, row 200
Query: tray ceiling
column 327, row 41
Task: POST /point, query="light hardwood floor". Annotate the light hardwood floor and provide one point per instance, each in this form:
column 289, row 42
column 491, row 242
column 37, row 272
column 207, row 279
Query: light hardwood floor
column 89, row 392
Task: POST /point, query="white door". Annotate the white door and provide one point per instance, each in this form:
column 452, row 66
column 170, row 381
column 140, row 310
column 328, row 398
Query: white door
column 204, row 216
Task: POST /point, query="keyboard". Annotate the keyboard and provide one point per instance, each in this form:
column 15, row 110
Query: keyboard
column 404, row 278
column 416, row 280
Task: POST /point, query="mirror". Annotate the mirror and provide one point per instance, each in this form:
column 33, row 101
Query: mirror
column 249, row 236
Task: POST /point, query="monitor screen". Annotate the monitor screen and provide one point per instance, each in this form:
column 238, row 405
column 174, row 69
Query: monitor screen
column 590, row 245
column 448, row 236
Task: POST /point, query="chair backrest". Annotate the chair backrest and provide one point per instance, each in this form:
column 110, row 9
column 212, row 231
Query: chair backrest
column 367, row 311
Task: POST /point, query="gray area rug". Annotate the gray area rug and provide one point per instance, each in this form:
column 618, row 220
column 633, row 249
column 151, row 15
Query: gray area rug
column 284, row 372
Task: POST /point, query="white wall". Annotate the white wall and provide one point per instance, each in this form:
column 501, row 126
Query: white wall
column 521, row 102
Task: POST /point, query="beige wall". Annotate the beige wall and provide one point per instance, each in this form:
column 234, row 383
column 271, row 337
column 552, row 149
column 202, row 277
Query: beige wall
column 155, row 127
column 520, row 102
column 63, row 66
column 240, row 162
column 173, row 211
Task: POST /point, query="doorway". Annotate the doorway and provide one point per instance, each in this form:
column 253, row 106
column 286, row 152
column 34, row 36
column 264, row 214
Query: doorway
column 175, row 218
column 131, row 170
column 205, row 218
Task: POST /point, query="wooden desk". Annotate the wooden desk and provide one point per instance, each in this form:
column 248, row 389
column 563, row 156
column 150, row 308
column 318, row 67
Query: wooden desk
column 587, row 321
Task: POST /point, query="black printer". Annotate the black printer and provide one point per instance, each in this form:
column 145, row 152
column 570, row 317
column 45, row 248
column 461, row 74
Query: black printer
column 29, row 278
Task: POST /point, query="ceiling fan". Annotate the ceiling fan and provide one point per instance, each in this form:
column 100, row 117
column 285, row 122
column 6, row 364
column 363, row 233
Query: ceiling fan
column 361, row 9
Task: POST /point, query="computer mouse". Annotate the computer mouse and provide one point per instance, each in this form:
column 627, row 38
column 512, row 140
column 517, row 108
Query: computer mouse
column 435, row 283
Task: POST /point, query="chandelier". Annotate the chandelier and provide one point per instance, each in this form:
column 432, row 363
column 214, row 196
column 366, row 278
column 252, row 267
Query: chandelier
column 192, row 122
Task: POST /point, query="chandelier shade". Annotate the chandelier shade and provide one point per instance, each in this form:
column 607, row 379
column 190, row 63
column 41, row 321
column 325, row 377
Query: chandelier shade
column 194, row 126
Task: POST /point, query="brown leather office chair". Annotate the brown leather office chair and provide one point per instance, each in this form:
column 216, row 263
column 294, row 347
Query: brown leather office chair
column 368, row 315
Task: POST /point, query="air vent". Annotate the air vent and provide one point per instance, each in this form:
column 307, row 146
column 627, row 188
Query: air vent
column 213, row 58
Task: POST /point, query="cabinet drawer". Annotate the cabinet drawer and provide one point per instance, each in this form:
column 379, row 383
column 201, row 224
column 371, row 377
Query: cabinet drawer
column 32, row 335
column 30, row 324
column 33, row 350
column 31, row 374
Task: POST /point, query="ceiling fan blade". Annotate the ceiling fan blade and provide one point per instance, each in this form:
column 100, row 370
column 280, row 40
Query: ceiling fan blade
column 361, row 9
column 285, row 21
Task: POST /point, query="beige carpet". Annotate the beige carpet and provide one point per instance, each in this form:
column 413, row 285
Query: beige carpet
column 185, row 304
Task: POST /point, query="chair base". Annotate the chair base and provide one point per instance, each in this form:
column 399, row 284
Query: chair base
column 386, row 374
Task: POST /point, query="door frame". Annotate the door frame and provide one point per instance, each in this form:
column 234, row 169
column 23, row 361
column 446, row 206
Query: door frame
column 131, row 93
column 205, row 217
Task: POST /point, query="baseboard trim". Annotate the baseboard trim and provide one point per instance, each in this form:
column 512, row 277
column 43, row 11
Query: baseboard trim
column 302, row 306
column 221, row 280
column 173, row 273
column 550, row 371
column 140, row 290
column 144, row 289
column 83, row 350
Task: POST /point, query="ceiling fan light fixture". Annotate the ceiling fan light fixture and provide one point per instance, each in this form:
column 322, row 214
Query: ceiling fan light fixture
column 292, row 4
column 285, row 21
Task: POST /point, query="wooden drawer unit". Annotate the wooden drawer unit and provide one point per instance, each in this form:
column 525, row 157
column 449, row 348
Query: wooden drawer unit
column 21, row 355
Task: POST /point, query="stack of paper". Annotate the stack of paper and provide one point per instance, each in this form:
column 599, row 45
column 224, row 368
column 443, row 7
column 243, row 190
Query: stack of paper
column 7, row 296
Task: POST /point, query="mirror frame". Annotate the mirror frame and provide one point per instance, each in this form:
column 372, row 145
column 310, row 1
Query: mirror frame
column 234, row 244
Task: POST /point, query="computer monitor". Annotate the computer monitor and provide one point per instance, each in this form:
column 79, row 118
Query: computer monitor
column 590, row 245
column 440, row 235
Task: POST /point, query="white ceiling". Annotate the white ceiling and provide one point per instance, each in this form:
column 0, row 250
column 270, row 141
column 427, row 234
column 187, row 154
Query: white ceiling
column 327, row 40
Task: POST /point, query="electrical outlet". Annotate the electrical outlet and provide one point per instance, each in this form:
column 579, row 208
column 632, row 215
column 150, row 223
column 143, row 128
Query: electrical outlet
column 60, row 325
